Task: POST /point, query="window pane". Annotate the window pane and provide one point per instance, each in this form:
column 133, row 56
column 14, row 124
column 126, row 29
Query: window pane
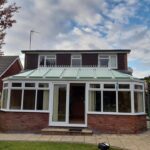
column 5, row 84
column 5, row 97
column 104, row 57
column 42, row 100
column 124, row 101
column 138, row 102
column 109, row 101
column 29, row 99
column 42, row 60
column 76, row 56
column 94, row 100
column 76, row 62
column 51, row 57
column 104, row 62
column 16, row 84
column 109, row 86
column 124, row 86
column 50, row 62
column 29, row 84
column 94, row 85
column 43, row 85
column 59, row 104
column 138, row 87
column 113, row 62
column 15, row 99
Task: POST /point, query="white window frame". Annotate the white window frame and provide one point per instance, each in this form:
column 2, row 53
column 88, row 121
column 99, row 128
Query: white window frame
column 77, row 57
column 142, row 91
column 36, row 88
column 131, row 89
column 109, row 60
column 45, row 58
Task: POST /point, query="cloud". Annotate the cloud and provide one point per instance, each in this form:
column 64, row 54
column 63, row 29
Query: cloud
column 85, row 24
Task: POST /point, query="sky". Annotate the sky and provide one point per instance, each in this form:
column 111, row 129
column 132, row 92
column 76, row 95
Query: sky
column 84, row 24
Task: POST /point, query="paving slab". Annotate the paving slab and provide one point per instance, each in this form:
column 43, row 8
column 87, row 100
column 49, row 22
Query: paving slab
column 124, row 141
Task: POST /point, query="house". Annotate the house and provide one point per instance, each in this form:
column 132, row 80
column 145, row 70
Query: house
column 9, row 65
column 69, row 88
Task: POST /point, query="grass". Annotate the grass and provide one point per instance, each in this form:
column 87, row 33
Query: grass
column 4, row 145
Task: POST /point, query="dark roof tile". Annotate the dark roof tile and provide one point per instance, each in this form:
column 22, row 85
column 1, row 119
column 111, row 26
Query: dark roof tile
column 5, row 62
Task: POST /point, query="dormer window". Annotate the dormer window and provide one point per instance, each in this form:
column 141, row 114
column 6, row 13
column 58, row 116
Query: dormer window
column 76, row 60
column 107, row 61
column 46, row 61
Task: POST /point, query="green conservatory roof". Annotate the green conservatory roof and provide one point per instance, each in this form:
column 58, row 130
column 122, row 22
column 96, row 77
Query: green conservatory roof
column 72, row 73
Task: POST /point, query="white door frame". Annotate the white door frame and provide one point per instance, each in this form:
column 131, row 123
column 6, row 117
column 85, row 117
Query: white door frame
column 66, row 123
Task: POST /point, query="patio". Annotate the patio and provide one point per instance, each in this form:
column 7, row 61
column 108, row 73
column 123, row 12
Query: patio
column 124, row 141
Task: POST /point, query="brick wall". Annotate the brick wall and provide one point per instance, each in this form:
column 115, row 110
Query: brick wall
column 117, row 123
column 14, row 69
column 23, row 121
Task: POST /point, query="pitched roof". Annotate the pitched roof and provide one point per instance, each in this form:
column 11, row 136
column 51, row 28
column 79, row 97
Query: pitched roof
column 74, row 73
column 5, row 62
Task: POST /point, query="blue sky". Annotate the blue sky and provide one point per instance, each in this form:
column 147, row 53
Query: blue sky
column 84, row 24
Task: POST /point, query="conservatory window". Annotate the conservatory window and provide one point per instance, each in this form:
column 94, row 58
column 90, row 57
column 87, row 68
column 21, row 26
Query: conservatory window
column 109, row 101
column 29, row 99
column 4, row 98
column 15, row 99
column 138, row 101
column 94, row 100
column 16, row 84
column 43, row 85
column 124, row 101
column 42, row 100
column 109, row 86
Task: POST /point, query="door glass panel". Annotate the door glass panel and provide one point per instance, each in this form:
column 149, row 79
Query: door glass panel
column 59, row 103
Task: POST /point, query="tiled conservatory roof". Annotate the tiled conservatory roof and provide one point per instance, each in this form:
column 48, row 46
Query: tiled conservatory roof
column 70, row 73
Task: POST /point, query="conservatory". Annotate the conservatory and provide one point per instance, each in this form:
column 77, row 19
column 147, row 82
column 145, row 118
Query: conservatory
column 101, row 99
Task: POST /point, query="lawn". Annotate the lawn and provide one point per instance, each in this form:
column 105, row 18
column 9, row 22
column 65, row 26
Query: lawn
column 45, row 146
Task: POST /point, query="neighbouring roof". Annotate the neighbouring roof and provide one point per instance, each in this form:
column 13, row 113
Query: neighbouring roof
column 70, row 73
column 81, row 51
column 5, row 62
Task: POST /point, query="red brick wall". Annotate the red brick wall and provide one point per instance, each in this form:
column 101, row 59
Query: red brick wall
column 14, row 69
column 117, row 123
column 23, row 121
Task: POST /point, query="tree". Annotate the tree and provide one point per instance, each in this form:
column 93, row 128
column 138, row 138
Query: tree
column 147, row 94
column 6, row 18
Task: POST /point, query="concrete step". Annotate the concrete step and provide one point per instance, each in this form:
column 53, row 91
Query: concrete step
column 66, row 131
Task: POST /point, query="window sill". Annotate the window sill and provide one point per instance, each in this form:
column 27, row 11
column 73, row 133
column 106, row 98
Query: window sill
column 115, row 113
column 34, row 111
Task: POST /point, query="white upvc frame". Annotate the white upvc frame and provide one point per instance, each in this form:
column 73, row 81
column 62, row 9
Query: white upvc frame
column 142, row 91
column 23, row 88
column 87, row 89
column 66, row 122
column 45, row 57
column 109, row 62
column 131, row 89
column 79, row 58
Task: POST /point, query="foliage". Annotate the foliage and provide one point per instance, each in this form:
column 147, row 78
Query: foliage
column 147, row 79
column 47, row 146
column 6, row 18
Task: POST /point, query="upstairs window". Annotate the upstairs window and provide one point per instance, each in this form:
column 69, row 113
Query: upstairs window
column 104, row 61
column 46, row 61
column 76, row 60
column 107, row 61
